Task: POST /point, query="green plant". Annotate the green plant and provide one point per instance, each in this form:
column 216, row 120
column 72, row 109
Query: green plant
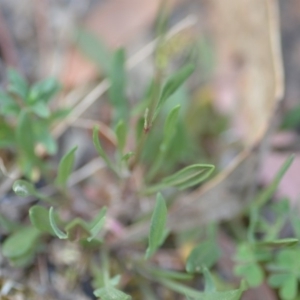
column 167, row 172
column 26, row 118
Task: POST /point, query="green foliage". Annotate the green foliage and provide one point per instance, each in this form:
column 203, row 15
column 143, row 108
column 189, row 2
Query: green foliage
column 286, row 273
column 248, row 259
column 185, row 178
column 160, row 158
column 171, row 86
column 203, row 256
column 65, row 168
column 121, row 133
column 117, row 92
column 76, row 229
column 20, row 246
column 39, row 217
column 26, row 118
column 101, row 151
column 110, row 293
column 157, row 228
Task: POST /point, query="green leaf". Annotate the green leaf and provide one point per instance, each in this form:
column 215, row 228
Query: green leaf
column 276, row 280
column 209, row 282
column 94, row 49
column 100, row 150
column 157, row 227
column 17, row 84
column 267, row 193
column 60, row 234
column 227, row 295
column 117, row 77
column 279, row 243
column 187, row 177
column 97, row 224
column 289, row 288
column 171, row 122
column 25, row 135
column 121, row 133
column 21, row 242
column 169, row 132
column 65, row 168
column 39, row 217
column 43, row 91
column 253, row 273
column 111, row 293
column 24, row 260
column 43, row 136
column 41, row 109
column 127, row 156
column 172, row 85
column 77, row 230
column 23, row 188
column 203, row 256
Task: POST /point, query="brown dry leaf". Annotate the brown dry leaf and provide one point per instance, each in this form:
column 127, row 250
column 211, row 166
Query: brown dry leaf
column 115, row 22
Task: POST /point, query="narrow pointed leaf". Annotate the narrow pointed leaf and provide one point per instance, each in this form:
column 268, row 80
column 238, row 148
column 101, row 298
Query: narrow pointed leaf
column 43, row 91
column 171, row 122
column 117, row 77
column 121, row 132
column 172, row 85
column 209, row 286
column 97, row 224
column 100, row 150
column 65, row 168
column 267, row 193
column 60, row 234
column 25, row 135
column 41, row 109
column 17, row 84
column 185, row 178
column 157, row 227
column 279, row 243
